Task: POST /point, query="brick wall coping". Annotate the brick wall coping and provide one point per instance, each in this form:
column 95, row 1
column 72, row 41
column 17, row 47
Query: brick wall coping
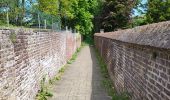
column 25, row 30
column 155, row 35
column 30, row 31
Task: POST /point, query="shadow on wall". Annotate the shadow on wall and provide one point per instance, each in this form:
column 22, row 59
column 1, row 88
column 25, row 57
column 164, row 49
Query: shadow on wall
column 142, row 68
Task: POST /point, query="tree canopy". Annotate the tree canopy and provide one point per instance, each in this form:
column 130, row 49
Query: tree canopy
column 116, row 14
column 154, row 11
column 86, row 16
column 158, row 10
column 79, row 14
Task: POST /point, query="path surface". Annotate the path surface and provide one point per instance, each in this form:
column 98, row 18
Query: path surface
column 81, row 80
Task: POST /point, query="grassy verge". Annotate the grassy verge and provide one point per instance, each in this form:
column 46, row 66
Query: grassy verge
column 107, row 83
column 44, row 93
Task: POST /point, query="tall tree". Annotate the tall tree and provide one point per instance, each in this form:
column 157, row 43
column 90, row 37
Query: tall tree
column 79, row 14
column 158, row 10
column 117, row 14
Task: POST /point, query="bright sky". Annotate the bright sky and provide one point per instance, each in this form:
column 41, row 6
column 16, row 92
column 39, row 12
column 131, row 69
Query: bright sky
column 136, row 13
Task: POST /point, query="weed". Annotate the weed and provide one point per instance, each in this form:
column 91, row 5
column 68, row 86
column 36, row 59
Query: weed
column 69, row 62
column 13, row 37
column 62, row 70
column 43, row 94
column 58, row 78
column 51, row 81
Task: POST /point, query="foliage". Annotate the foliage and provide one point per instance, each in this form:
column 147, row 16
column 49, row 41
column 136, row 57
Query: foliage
column 89, row 40
column 139, row 20
column 49, row 6
column 43, row 93
column 76, row 14
column 25, row 12
column 158, row 10
column 116, row 14
column 155, row 11
column 79, row 14
column 86, row 16
column 16, row 9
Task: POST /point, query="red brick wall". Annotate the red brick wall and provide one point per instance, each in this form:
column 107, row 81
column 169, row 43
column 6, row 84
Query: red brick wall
column 28, row 56
column 142, row 70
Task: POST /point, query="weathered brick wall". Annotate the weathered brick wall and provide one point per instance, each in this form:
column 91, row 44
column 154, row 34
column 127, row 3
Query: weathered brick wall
column 138, row 60
column 27, row 56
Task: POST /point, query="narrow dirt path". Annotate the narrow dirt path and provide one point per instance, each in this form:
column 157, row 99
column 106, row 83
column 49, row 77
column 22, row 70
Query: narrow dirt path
column 81, row 80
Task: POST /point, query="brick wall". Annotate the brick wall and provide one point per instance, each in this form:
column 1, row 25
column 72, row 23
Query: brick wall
column 26, row 56
column 138, row 60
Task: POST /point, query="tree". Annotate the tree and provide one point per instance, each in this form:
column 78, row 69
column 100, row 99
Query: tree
column 139, row 20
column 11, row 7
column 79, row 14
column 158, row 10
column 16, row 10
column 117, row 14
column 49, row 6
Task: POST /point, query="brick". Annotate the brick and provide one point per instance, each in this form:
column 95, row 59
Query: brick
column 168, row 86
column 159, row 86
column 152, row 81
column 168, row 63
column 167, row 92
column 30, row 58
column 142, row 73
column 163, row 75
column 156, row 71
column 168, row 71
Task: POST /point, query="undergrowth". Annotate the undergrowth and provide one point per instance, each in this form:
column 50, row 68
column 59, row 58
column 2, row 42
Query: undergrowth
column 107, row 83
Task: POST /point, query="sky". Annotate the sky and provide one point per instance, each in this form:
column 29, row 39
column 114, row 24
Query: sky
column 136, row 13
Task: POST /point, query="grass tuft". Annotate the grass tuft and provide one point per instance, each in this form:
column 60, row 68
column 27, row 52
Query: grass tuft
column 43, row 93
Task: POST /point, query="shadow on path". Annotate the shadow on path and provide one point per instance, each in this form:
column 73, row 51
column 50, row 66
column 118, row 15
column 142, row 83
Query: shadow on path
column 81, row 80
column 98, row 91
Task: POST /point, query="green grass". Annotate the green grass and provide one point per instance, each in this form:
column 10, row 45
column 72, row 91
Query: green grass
column 107, row 82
